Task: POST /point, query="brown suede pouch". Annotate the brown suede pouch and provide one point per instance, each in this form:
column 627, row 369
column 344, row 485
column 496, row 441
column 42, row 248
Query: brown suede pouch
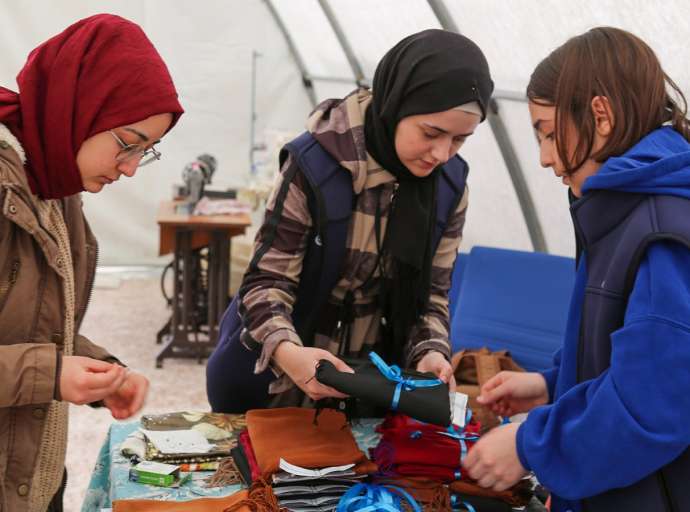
column 472, row 368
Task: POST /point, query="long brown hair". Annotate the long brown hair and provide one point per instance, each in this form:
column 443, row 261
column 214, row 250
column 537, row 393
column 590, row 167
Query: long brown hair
column 610, row 62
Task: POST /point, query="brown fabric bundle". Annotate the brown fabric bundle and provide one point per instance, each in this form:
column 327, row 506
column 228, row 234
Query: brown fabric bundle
column 296, row 435
column 472, row 369
column 199, row 505
column 431, row 494
column 260, row 499
column 518, row 495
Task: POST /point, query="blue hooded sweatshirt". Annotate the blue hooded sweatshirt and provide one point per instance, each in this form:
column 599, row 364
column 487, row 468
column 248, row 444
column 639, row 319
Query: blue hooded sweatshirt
column 633, row 419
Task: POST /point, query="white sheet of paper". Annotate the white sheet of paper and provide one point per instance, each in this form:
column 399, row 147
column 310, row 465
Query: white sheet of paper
column 296, row 470
column 178, row 441
column 458, row 408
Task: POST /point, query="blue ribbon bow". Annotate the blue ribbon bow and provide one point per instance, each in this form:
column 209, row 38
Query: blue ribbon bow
column 373, row 498
column 394, row 374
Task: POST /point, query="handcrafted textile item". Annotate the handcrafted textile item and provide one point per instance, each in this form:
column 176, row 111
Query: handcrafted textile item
column 292, row 434
column 518, row 495
column 419, row 395
column 246, row 446
column 469, row 503
column 200, row 505
column 431, row 494
column 369, row 497
column 472, row 368
column 220, row 430
column 227, row 474
column 407, row 441
column 240, row 460
column 260, row 499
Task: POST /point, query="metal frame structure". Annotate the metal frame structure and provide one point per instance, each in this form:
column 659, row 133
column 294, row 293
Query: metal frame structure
column 496, row 123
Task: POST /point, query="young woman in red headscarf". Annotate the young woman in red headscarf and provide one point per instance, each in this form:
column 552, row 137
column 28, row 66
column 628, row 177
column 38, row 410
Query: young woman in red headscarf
column 93, row 102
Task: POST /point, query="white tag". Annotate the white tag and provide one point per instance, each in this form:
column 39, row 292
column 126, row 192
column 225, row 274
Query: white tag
column 178, row 441
column 458, row 408
column 297, row 470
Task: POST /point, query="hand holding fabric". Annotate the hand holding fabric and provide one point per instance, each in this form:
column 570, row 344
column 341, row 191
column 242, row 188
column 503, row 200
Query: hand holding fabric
column 436, row 363
column 493, row 462
column 84, row 380
column 510, row 393
column 300, row 364
column 129, row 398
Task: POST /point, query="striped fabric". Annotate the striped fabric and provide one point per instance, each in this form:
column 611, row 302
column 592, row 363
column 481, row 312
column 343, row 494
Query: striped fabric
column 268, row 292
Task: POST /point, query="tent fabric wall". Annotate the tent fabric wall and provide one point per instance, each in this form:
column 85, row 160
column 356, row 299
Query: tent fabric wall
column 208, row 46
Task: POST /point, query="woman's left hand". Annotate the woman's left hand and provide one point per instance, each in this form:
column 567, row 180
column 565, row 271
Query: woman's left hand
column 436, row 363
column 129, row 398
column 493, row 462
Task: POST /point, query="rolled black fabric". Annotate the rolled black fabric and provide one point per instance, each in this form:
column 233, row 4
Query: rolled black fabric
column 428, row 404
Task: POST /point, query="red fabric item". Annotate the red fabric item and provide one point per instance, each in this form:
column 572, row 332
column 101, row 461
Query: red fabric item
column 407, row 441
column 246, row 444
column 430, row 471
column 100, row 73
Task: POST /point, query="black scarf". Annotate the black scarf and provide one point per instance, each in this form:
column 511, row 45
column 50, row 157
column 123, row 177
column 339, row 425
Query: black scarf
column 428, row 72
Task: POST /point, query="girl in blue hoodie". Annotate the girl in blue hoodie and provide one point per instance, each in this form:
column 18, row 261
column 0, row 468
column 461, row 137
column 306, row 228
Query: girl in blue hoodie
column 608, row 427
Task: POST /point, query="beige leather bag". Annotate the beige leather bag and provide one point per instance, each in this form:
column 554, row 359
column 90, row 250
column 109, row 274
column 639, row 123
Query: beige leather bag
column 472, row 368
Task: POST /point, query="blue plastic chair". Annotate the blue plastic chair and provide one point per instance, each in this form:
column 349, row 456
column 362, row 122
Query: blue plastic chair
column 513, row 300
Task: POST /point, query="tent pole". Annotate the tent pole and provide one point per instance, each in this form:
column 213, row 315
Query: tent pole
column 443, row 16
column 517, row 176
column 505, row 145
column 344, row 43
column 306, row 79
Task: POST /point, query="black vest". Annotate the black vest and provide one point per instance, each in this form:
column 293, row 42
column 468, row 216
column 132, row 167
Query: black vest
column 331, row 201
column 615, row 229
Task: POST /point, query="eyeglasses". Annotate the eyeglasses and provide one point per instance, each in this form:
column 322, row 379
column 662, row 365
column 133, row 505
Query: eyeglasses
column 130, row 152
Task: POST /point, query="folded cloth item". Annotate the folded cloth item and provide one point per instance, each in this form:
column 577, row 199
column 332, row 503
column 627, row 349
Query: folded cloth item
column 440, row 473
column 245, row 443
column 432, row 494
column 419, row 395
column 292, row 434
column 198, row 505
column 478, row 503
column 310, row 490
column 240, row 460
column 407, row 441
column 518, row 495
column 219, row 430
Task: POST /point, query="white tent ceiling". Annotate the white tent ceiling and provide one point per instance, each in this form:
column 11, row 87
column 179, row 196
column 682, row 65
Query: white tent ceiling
column 208, row 46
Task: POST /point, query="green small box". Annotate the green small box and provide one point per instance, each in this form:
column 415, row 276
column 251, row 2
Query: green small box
column 155, row 473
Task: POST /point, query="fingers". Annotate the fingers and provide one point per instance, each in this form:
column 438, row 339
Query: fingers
column 452, row 385
column 113, row 378
column 445, row 373
column 95, row 365
column 339, row 364
column 493, row 390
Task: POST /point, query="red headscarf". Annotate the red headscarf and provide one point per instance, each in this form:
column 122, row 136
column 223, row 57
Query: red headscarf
column 100, row 73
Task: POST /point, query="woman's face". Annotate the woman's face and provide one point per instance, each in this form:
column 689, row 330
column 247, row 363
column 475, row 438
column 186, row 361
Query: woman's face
column 426, row 141
column 97, row 158
column 544, row 123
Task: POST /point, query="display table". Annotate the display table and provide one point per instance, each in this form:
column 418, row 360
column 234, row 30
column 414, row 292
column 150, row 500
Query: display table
column 110, row 479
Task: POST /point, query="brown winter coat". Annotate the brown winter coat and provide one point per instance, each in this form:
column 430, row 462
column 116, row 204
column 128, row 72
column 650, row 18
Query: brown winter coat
column 47, row 266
